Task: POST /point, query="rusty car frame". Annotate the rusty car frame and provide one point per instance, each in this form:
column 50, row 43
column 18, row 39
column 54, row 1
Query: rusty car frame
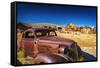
column 45, row 46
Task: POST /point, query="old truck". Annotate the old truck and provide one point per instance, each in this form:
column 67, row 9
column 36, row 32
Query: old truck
column 45, row 46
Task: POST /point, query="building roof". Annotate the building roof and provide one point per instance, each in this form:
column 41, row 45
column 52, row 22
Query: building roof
column 39, row 28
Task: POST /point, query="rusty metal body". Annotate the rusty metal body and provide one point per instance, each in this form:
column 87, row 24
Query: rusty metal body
column 39, row 42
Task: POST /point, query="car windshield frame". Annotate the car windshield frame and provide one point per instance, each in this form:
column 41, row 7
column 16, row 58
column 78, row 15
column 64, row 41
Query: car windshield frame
column 46, row 32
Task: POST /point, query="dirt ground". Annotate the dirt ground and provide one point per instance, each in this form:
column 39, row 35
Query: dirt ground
column 87, row 42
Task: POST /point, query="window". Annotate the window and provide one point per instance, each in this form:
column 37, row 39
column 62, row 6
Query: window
column 40, row 33
column 29, row 34
column 51, row 33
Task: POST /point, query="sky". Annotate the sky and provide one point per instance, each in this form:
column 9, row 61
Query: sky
column 56, row 14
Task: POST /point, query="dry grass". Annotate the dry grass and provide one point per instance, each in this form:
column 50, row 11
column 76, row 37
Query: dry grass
column 86, row 41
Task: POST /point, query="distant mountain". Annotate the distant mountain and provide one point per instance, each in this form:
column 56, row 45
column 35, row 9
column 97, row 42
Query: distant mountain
column 46, row 24
column 23, row 26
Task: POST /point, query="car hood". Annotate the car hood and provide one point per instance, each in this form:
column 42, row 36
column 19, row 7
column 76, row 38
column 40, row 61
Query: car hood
column 55, row 40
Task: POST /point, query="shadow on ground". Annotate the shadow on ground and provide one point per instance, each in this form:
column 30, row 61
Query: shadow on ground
column 89, row 57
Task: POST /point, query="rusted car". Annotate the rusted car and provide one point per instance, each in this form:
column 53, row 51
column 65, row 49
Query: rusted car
column 44, row 45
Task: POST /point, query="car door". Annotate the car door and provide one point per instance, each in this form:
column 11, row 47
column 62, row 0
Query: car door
column 28, row 42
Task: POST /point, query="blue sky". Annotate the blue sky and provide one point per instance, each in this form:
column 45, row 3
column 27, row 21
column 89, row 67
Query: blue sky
column 62, row 15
